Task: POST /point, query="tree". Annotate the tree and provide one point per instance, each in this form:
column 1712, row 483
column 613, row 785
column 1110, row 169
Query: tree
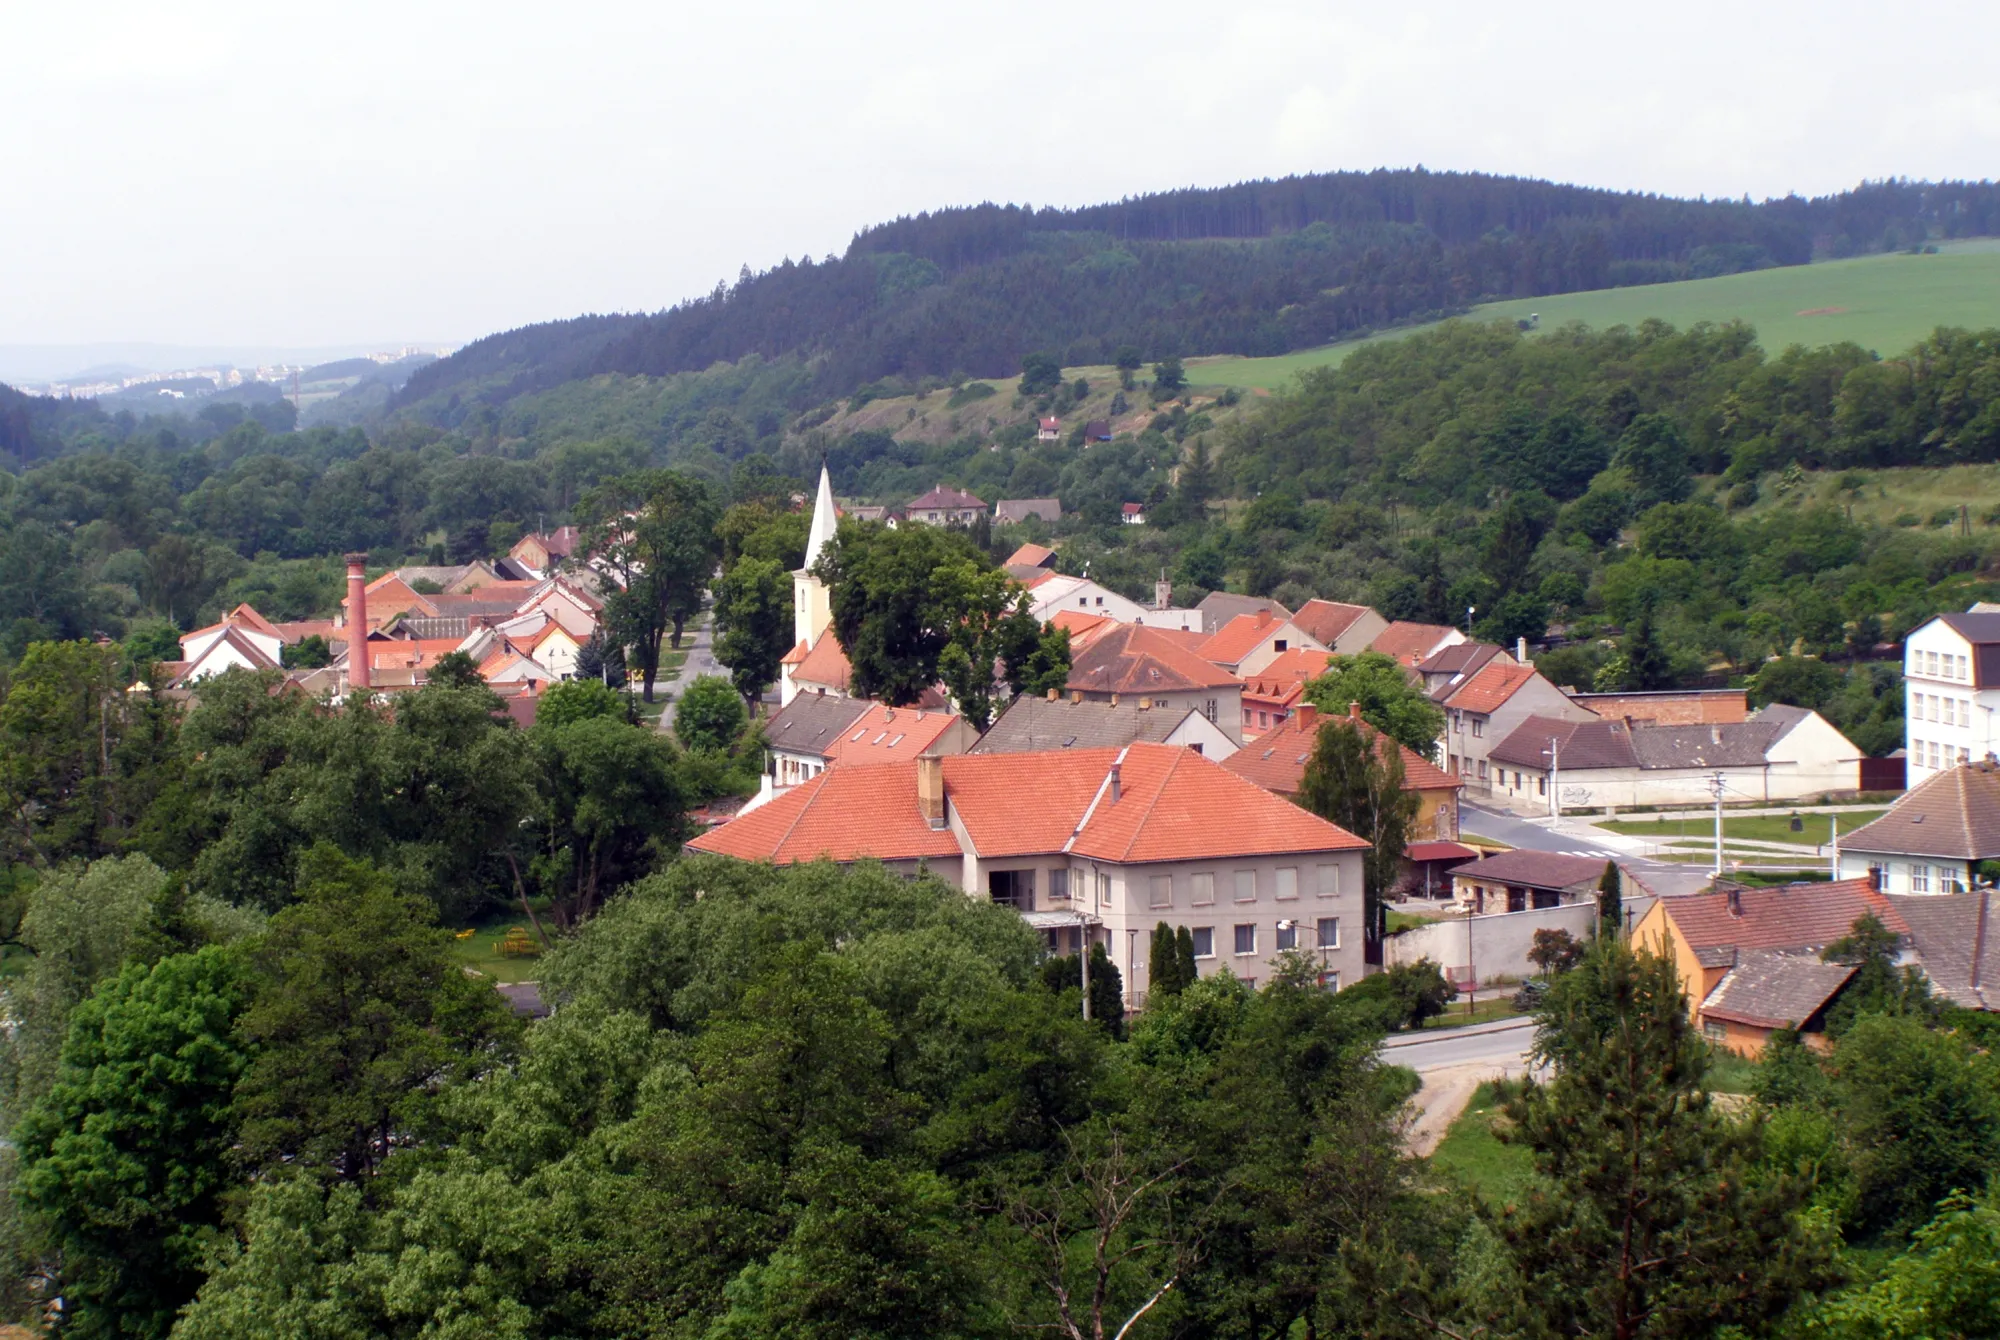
column 1646, row 663
column 1355, row 779
column 917, row 605
column 1169, row 378
column 359, row 1010
column 1655, row 455
column 150, row 643
column 1946, row 1286
column 578, row 700
column 1040, row 374
column 1189, row 972
column 59, row 723
column 127, row 1157
column 455, row 670
column 1163, row 963
column 1878, row 985
column 1390, row 701
column 655, row 533
column 610, row 804
column 709, row 716
column 1650, row 1218
column 1107, row 986
column 1799, row 681
column 1610, row 900
column 1045, row 666
column 753, row 622
column 1554, row 952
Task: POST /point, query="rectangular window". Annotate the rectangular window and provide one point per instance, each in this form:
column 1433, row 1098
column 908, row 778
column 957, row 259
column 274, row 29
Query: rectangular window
column 1920, row 879
column 1482, row 768
column 1246, row 886
column 1288, row 881
column 1288, row 935
column 1059, row 884
column 1714, row 1030
column 1210, row 712
column 1160, row 891
column 1329, row 881
column 1246, row 938
column 1279, row 645
column 1478, row 727
column 1329, row 932
column 1204, row 941
column 1201, row 889
column 1104, row 890
column 1931, row 658
column 1541, row 786
column 1330, row 981
column 1931, row 707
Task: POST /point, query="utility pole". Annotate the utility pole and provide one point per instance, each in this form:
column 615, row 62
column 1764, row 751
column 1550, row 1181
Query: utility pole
column 1083, row 943
column 1717, row 787
column 1833, row 840
column 1554, row 752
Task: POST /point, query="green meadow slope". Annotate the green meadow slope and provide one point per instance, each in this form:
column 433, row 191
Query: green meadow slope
column 1883, row 302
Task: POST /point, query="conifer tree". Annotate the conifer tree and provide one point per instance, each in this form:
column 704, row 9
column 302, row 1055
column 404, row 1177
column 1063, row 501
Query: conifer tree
column 1651, row 1217
column 1610, row 902
column 1164, row 960
column 1184, row 947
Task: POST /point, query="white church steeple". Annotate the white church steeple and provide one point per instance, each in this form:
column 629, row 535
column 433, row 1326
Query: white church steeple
column 812, row 608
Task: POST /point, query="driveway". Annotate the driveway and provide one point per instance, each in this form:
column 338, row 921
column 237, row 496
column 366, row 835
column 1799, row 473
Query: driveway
column 1453, row 1063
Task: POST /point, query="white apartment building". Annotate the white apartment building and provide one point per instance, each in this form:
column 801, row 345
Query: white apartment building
column 1951, row 672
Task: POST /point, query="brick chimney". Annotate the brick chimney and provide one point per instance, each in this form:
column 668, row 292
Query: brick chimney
column 930, row 789
column 1263, row 616
column 1735, row 902
column 1116, row 787
column 357, row 621
column 1308, row 716
column 1353, row 710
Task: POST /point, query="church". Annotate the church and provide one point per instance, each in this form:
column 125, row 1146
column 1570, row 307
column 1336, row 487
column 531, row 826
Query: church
column 816, row 663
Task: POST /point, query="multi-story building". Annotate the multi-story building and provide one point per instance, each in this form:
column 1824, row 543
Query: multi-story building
column 1951, row 672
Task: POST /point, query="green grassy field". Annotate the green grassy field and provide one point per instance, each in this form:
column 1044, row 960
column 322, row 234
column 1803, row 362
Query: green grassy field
column 1473, row 1156
column 1749, row 828
column 1885, row 303
column 478, row 951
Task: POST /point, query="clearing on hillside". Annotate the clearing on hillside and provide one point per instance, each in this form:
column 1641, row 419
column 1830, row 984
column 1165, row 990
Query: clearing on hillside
column 1885, row 303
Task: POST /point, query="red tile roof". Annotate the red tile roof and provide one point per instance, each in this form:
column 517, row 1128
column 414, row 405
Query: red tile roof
column 1176, row 805
column 1489, row 690
column 1083, row 628
column 826, row 664
column 1294, row 666
column 1239, row 637
column 1276, row 760
column 945, row 498
column 1132, row 658
column 1789, row 916
column 1410, row 642
column 1032, row 555
column 1326, row 620
column 244, row 613
column 888, row 734
column 844, row 814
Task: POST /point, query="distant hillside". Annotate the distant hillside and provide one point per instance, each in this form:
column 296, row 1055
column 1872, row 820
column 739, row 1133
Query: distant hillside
column 1261, row 268
column 1883, row 303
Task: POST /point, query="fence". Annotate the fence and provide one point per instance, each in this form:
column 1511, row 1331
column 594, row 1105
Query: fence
column 1497, row 944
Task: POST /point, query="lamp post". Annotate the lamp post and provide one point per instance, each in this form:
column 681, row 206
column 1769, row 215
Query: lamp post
column 1554, row 755
column 1470, row 610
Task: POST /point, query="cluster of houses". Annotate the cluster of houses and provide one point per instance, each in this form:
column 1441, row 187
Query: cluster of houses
column 523, row 623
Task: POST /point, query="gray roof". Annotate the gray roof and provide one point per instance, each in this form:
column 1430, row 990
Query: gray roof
column 1954, row 813
column 1534, row 869
column 813, row 721
column 1982, row 630
column 1219, row 607
column 1771, row 989
column 1020, row 509
column 1957, row 937
column 1032, row 724
column 1588, row 745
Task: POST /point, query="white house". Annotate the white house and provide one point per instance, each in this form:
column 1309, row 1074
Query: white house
column 1490, row 705
column 1250, row 642
column 1933, row 839
column 1054, row 592
column 1951, row 671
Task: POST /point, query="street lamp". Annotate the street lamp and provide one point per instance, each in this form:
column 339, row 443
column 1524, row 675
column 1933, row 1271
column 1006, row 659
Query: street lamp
column 1470, row 610
column 1554, row 755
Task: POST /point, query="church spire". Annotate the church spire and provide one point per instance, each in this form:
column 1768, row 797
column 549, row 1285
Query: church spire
column 822, row 519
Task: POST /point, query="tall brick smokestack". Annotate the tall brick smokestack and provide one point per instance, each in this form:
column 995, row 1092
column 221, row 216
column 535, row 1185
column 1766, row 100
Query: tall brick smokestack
column 357, row 621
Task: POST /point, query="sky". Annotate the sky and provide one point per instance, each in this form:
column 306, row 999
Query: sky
column 216, row 173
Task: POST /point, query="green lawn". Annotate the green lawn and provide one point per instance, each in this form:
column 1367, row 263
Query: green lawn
column 1495, row 1004
column 1885, row 303
column 479, row 951
column 1473, row 1156
column 1747, row 828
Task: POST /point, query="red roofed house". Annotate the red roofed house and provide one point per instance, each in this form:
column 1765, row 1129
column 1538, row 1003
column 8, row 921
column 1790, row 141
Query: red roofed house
column 1249, row 642
column 1103, row 843
column 1412, row 643
column 1048, row 430
column 542, row 553
column 1346, row 630
column 1749, row 958
column 1133, row 514
column 1487, row 708
column 1133, row 661
column 1277, row 760
column 1275, row 692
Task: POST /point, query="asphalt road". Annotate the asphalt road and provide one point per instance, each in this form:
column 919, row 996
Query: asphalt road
column 1503, row 1044
column 701, row 661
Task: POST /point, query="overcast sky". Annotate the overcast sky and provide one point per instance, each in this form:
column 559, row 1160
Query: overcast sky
column 209, row 172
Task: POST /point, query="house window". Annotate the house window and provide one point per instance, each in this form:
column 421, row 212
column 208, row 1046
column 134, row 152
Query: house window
column 1246, row 886
column 1288, row 935
column 1013, row 888
column 1950, row 879
column 1263, row 718
column 1478, row 727
column 1329, row 932
column 1329, row 881
column 1204, row 941
column 1160, row 890
column 1288, row 881
column 1059, row 885
column 1541, row 786
column 1920, row 879
column 1330, row 981
column 1201, row 889
column 1209, row 712
column 1482, row 769
column 1104, row 890
column 1278, row 645
column 1246, row 937
column 1714, row 1030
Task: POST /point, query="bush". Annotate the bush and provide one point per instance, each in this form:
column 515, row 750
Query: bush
column 710, row 715
column 1403, row 996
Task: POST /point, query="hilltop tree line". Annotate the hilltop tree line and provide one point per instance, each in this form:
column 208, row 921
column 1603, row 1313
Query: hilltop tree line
column 1258, row 268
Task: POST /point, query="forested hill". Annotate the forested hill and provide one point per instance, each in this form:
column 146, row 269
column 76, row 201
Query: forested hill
column 1258, row 268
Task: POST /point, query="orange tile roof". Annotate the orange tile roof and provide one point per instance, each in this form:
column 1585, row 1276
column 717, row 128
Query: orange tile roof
column 886, row 734
column 1083, row 628
column 825, row 664
column 298, row 630
column 246, row 614
column 1294, row 666
column 1238, row 638
column 1276, row 760
column 1173, row 805
column 796, row 654
column 1032, row 555
column 1410, row 642
column 1326, row 619
column 844, row 814
column 1132, row 658
column 1786, row 916
column 1490, row 689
